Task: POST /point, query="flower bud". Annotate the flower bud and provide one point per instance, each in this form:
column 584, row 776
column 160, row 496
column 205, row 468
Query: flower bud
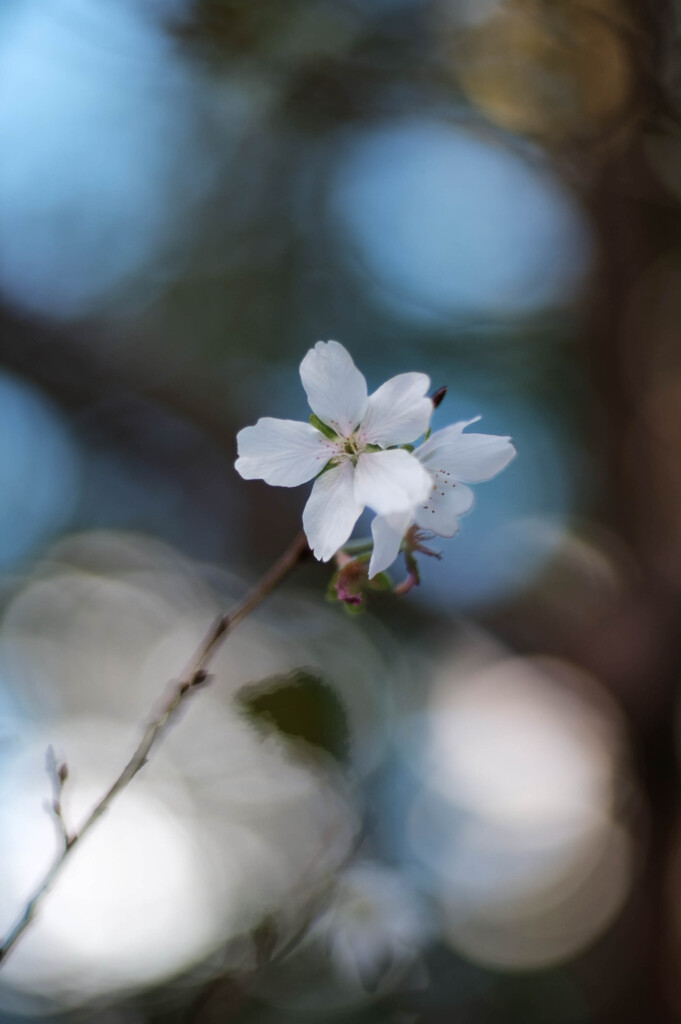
column 438, row 396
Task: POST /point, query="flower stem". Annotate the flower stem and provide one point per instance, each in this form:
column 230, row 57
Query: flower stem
column 359, row 546
column 192, row 678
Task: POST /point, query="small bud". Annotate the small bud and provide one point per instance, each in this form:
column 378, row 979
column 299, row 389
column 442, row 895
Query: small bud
column 438, row 396
column 345, row 594
column 412, row 578
column 350, row 583
column 350, row 580
column 63, row 772
column 413, row 543
column 410, row 581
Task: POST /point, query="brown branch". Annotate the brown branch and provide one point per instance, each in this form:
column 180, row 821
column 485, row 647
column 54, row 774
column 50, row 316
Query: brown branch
column 195, row 675
column 58, row 772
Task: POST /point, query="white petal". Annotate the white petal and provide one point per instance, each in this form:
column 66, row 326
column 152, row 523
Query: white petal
column 283, row 453
column 399, row 411
column 443, row 438
column 335, row 389
column 447, row 501
column 373, row 953
column 387, row 532
column 343, row 957
column 441, row 441
column 391, row 481
column 331, row 511
column 468, row 457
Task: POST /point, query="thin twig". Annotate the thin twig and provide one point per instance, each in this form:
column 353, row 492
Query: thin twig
column 195, row 675
column 58, row 772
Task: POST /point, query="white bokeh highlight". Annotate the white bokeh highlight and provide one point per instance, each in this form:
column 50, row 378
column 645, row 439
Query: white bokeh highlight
column 517, row 825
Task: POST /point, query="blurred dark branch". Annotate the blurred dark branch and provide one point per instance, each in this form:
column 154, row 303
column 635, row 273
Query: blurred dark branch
column 195, row 675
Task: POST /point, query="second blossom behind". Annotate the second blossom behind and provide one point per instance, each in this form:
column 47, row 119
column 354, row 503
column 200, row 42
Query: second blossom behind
column 452, row 460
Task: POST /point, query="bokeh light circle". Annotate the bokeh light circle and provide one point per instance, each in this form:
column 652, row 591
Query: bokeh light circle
column 95, row 142
column 39, row 470
column 448, row 222
column 516, row 824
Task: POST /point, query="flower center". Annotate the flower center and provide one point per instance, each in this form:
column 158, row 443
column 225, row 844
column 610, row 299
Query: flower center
column 348, row 449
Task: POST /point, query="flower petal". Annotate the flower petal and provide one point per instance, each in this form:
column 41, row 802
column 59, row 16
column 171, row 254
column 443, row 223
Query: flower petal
column 283, row 453
column 335, row 389
column 331, row 511
column 399, row 411
column 467, row 457
column 391, row 481
column 447, row 501
column 387, row 532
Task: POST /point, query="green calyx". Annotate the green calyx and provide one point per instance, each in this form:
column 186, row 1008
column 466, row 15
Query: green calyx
column 323, row 428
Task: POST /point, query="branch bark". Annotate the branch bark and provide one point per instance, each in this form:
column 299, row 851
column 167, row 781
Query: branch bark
column 193, row 677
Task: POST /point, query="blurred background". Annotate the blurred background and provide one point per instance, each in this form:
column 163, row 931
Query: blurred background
column 193, row 192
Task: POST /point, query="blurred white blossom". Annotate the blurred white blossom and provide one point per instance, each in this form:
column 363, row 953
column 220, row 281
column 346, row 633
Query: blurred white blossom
column 375, row 927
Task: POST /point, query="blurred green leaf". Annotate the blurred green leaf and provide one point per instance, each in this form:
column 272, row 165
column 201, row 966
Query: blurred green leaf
column 302, row 708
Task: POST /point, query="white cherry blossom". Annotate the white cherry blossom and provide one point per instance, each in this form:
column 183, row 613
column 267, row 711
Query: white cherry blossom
column 453, row 460
column 374, row 927
column 352, row 451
